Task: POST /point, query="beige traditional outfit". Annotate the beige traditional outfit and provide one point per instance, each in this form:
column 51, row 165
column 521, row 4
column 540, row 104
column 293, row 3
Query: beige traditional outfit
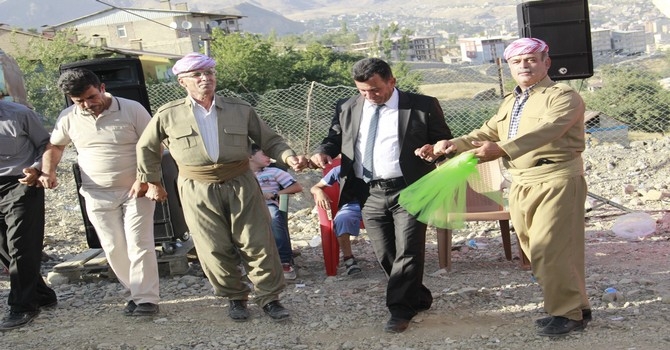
column 548, row 188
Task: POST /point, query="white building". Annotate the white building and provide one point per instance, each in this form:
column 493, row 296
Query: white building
column 601, row 42
column 481, row 50
column 629, row 42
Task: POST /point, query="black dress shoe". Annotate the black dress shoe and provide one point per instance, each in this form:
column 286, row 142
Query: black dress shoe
column 130, row 307
column 146, row 309
column 18, row 319
column 560, row 326
column 396, row 325
column 238, row 310
column 276, row 311
column 544, row 321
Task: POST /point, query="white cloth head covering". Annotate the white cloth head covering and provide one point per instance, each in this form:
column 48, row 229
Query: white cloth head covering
column 525, row 46
column 193, row 61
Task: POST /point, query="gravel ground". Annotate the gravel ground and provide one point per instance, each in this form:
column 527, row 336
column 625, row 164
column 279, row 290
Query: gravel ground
column 485, row 302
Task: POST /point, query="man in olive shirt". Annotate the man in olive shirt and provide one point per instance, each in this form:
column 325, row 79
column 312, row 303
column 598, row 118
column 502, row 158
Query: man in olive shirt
column 539, row 133
column 208, row 136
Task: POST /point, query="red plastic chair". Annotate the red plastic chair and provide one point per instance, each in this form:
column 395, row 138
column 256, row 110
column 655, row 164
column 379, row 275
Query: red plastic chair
column 331, row 249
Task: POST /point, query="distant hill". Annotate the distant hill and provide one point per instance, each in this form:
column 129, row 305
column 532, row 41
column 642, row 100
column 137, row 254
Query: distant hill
column 282, row 15
column 27, row 14
column 36, row 13
column 261, row 21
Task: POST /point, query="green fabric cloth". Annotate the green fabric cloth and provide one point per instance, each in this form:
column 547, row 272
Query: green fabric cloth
column 438, row 199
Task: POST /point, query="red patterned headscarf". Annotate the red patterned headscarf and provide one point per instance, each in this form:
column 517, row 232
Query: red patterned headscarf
column 525, row 46
column 193, row 61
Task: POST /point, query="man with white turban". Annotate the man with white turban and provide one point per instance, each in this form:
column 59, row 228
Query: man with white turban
column 209, row 138
column 538, row 132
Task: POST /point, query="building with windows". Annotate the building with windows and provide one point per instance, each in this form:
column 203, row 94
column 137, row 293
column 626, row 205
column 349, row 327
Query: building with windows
column 172, row 31
column 632, row 42
column 414, row 49
column 601, row 42
column 481, row 50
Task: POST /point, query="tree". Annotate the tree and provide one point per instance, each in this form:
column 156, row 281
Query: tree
column 248, row 63
column 319, row 63
column 634, row 97
column 407, row 79
column 40, row 64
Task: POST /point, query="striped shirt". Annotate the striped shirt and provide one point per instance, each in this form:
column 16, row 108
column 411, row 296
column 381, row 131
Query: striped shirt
column 519, row 102
column 273, row 179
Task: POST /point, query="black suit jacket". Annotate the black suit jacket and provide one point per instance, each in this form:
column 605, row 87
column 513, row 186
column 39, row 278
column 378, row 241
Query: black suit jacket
column 421, row 121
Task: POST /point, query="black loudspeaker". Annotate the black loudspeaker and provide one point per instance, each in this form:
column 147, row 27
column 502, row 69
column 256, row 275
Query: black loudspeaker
column 564, row 25
column 123, row 77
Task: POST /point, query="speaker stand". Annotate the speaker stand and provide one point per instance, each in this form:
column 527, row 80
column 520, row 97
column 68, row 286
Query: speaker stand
column 602, row 201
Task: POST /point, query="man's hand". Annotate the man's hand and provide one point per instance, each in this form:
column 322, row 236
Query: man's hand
column 487, row 151
column 138, row 190
column 32, row 177
column 156, row 192
column 48, row 180
column 320, row 160
column 298, row 163
column 431, row 152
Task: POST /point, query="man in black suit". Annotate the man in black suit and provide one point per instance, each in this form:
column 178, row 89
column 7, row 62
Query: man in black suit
column 376, row 133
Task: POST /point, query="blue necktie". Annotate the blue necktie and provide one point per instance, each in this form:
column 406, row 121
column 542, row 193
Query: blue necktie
column 368, row 166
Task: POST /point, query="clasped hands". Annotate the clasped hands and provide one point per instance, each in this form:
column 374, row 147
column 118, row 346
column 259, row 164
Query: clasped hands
column 152, row 190
column 484, row 151
column 298, row 163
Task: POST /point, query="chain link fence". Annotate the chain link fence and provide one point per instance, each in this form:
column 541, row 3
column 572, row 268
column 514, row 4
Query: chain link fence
column 626, row 100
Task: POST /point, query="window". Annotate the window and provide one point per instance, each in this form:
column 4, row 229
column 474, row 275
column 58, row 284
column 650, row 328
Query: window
column 121, row 31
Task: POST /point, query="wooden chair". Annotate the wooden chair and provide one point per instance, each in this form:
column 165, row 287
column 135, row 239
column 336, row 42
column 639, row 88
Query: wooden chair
column 479, row 207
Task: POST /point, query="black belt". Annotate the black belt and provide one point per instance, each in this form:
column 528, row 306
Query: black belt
column 396, row 182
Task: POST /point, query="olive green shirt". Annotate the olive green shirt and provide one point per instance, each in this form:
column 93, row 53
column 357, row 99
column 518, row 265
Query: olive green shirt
column 551, row 127
column 175, row 126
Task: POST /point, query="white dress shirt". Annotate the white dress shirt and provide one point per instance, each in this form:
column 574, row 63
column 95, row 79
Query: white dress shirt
column 386, row 152
column 209, row 128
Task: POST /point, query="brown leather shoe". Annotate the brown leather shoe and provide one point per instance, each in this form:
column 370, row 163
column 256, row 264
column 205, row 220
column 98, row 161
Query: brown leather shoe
column 396, row 325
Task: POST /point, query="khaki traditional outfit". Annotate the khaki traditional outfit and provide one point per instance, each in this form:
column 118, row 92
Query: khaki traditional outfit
column 548, row 188
column 222, row 201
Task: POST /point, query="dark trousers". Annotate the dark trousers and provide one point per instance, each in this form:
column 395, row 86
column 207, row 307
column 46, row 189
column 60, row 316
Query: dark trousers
column 399, row 241
column 21, row 242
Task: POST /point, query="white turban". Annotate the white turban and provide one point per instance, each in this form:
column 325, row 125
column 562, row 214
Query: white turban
column 193, row 61
column 525, row 46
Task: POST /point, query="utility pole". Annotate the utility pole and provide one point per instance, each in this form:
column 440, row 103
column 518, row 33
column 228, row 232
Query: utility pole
column 206, row 44
column 498, row 63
